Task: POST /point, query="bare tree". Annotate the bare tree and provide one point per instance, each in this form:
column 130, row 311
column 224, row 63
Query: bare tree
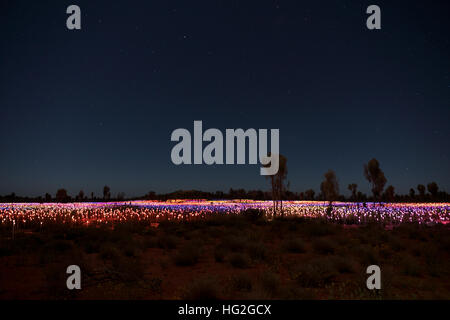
column 277, row 182
column 375, row 176
column 330, row 189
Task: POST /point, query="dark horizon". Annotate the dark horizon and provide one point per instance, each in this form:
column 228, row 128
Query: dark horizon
column 93, row 107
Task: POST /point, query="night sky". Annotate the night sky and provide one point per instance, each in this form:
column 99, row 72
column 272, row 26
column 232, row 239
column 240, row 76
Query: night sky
column 81, row 109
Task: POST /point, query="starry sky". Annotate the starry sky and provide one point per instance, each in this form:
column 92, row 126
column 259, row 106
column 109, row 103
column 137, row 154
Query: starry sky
column 81, row 109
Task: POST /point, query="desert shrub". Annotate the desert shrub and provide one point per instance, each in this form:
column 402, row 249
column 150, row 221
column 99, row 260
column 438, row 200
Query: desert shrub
column 294, row 246
column 435, row 264
column 397, row 244
column 55, row 250
column 407, row 229
column 410, row 266
column 219, row 253
column 154, row 285
column 318, row 228
column 257, row 251
column 61, row 246
column 215, row 232
column 444, row 242
column 167, row 242
column 127, row 270
column 239, row 260
column 343, row 265
column 292, row 227
column 235, row 243
column 366, row 254
column 90, row 246
column 297, row 293
column 242, row 282
column 131, row 251
column 187, row 255
column 109, row 252
column 323, row 246
column 343, row 240
column 5, row 248
column 316, row 273
column 202, row 289
column 414, row 231
column 253, row 214
column 386, row 252
column 374, row 234
column 151, row 232
column 418, row 250
column 150, row 242
column 164, row 262
column 270, row 283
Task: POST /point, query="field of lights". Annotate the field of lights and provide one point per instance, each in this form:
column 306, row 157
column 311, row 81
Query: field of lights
column 32, row 215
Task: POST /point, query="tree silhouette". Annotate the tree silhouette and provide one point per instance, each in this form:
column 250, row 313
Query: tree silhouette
column 106, row 193
column 80, row 195
column 48, row 197
column 353, row 188
column 433, row 189
column 375, row 176
column 330, row 189
column 390, row 193
column 309, row 194
column 61, row 195
column 277, row 184
column 412, row 194
column 421, row 189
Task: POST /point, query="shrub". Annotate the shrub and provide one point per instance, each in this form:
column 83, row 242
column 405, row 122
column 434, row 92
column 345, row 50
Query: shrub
column 154, row 285
column 316, row 273
column 235, row 243
column 323, row 246
column 127, row 270
column 187, row 256
column 319, row 228
column 219, row 253
column 242, row 282
column 239, row 260
column 397, row 244
column 150, row 242
column 295, row 246
column 410, row 266
column 343, row 265
column 367, row 255
column 253, row 214
column 257, row 251
column 167, row 242
column 202, row 289
column 270, row 283
column 109, row 252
